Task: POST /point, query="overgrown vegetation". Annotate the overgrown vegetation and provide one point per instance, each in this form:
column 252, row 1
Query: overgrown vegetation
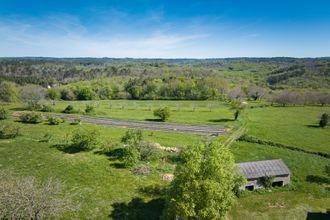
column 31, row 117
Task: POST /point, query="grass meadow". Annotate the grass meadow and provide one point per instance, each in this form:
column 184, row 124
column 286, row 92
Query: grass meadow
column 104, row 189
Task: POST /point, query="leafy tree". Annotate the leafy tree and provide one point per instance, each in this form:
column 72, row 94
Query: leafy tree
column 162, row 113
column 84, row 93
column 3, row 113
column 324, row 120
column 8, row 91
column 85, row 139
column 67, row 94
column 204, row 183
column 132, row 140
column 27, row 198
column 238, row 107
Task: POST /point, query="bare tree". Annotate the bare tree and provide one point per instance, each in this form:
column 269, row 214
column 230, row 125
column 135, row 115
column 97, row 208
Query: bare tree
column 288, row 97
column 255, row 92
column 32, row 95
column 235, row 94
column 323, row 98
column 26, row 198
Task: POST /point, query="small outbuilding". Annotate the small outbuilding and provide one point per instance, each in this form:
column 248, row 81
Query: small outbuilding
column 255, row 171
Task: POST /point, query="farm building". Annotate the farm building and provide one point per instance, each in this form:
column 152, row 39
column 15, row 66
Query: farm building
column 255, row 171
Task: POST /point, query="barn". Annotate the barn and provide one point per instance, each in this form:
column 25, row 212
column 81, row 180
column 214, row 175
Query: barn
column 254, row 171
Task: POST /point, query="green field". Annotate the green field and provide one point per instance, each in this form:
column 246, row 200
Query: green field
column 98, row 182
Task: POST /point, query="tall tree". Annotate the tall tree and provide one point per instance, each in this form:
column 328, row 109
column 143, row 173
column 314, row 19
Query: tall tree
column 204, row 184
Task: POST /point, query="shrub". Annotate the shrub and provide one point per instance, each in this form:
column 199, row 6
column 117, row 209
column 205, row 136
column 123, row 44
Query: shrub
column 69, row 110
column 46, row 108
column 267, row 181
column 54, row 120
column 162, row 113
column 3, row 113
column 9, row 131
column 85, row 139
column 324, row 120
column 32, row 117
column 89, row 109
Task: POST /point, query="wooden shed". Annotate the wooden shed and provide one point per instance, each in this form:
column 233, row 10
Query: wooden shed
column 254, row 172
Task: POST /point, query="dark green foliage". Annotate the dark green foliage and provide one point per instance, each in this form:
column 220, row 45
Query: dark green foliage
column 267, row 181
column 84, row 93
column 89, row 109
column 324, row 120
column 32, row 117
column 85, row 140
column 8, row 130
column 3, row 113
column 53, row 94
column 54, row 120
column 69, row 109
column 162, row 113
column 67, row 94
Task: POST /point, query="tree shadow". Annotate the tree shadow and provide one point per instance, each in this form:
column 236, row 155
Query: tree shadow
column 68, row 148
column 153, row 190
column 19, row 109
column 221, row 120
column 114, row 155
column 317, row 179
column 153, row 119
column 318, row 215
column 138, row 209
column 313, row 126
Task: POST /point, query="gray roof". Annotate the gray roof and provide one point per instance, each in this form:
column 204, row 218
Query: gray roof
column 257, row 169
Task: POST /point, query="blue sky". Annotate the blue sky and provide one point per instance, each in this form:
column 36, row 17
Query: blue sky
column 165, row 29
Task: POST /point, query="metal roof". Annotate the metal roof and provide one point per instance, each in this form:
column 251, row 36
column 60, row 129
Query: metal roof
column 257, row 169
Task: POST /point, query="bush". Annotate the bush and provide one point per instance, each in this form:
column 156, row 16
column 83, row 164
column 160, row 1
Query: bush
column 324, row 120
column 32, row 117
column 132, row 137
column 54, row 120
column 46, row 108
column 85, row 139
column 89, row 109
column 267, row 181
column 69, row 110
column 3, row 113
column 141, row 170
column 162, row 113
column 147, row 151
column 9, row 131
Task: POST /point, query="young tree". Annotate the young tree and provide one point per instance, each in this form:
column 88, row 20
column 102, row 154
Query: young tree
column 132, row 140
column 324, row 120
column 162, row 113
column 204, row 183
column 238, row 107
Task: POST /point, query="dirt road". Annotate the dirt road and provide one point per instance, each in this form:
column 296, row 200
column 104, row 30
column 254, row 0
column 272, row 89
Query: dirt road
column 153, row 125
